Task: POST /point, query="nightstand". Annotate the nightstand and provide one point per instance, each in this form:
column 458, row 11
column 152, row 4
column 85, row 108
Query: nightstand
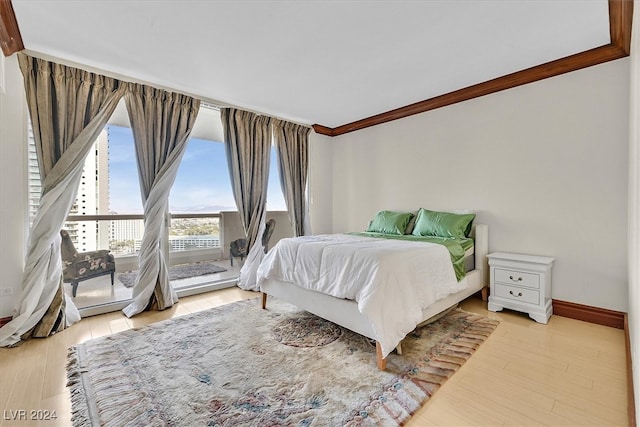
column 521, row 282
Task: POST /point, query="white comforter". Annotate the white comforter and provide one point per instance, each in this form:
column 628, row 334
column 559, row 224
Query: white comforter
column 391, row 280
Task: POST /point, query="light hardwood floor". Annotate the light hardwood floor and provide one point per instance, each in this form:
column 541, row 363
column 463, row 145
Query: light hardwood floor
column 566, row 373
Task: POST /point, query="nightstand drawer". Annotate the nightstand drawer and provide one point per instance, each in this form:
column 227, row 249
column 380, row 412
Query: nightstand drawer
column 517, row 278
column 517, row 294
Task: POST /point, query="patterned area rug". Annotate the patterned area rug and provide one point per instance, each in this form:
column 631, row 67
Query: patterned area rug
column 239, row 365
column 177, row 272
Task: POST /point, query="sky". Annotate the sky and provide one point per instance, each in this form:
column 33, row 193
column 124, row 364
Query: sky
column 202, row 183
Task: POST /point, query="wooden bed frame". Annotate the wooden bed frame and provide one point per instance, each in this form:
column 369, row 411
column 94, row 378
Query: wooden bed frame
column 345, row 312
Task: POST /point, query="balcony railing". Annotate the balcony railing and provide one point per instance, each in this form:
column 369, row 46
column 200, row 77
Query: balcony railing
column 122, row 234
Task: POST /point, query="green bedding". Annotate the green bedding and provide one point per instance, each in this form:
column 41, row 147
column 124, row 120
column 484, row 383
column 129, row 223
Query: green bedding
column 456, row 246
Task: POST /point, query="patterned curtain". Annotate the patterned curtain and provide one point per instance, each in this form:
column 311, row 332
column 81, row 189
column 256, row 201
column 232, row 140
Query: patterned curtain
column 247, row 143
column 68, row 108
column 161, row 123
column 292, row 142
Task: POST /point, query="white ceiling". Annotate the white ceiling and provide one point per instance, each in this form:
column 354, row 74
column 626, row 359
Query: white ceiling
column 324, row 62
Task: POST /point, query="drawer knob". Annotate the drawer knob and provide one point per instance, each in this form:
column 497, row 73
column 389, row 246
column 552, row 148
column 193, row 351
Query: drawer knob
column 516, row 295
column 519, row 279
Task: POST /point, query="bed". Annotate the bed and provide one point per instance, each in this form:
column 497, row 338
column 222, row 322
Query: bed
column 382, row 310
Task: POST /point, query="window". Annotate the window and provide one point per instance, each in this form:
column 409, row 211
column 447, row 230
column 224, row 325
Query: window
column 33, row 178
column 203, row 186
column 202, row 183
column 122, row 185
column 110, row 186
column 275, row 198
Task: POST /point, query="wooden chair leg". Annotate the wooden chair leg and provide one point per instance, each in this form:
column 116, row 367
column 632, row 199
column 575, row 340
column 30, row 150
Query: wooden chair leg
column 112, row 276
column 382, row 362
column 264, row 300
column 74, row 288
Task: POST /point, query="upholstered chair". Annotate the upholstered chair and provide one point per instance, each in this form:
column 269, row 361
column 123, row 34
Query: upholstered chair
column 238, row 248
column 79, row 266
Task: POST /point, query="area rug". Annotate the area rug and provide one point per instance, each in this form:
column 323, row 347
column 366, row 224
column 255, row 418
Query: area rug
column 177, row 272
column 239, row 365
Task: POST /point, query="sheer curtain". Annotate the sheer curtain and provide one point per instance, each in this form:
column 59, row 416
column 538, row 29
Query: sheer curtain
column 69, row 108
column 292, row 142
column 247, row 143
column 161, row 123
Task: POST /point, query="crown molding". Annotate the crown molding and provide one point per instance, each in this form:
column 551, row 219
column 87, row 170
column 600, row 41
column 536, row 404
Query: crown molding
column 10, row 38
column 620, row 22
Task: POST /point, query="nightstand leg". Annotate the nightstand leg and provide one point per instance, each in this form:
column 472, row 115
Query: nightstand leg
column 491, row 306
column 540, row 318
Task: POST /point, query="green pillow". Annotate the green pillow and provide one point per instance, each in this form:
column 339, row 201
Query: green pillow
column 443, row 224
column 390, row 222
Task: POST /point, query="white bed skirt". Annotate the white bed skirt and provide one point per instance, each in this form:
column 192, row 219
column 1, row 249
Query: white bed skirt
column 345, row 312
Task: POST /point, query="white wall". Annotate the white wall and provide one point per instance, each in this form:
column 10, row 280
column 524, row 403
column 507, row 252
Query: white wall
column 544, row 165
column 13, row 201
column 634, row 211
column 320, row 183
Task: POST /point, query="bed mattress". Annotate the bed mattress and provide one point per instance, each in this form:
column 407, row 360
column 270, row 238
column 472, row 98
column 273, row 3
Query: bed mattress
column 391, row 281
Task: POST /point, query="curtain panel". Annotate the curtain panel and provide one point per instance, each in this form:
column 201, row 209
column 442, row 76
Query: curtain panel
column 161, row 123
column 247, row 143
column 292, row 141
column 68, row 108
